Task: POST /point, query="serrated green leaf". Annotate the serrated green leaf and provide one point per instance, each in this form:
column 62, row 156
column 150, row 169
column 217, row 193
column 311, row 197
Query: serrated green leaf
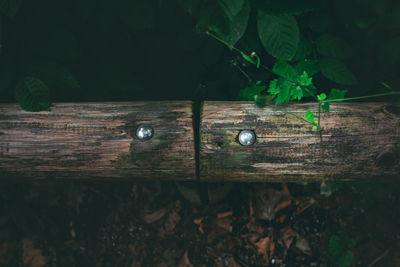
column 325, row 107
column 309, row 116
column 32, row 94
column 250, row 93
column 281, row 89
column 310, row 66
column 336, row 94
column 284, row 69
column 279, row 34
column 296, row 92
column 304, row 80
column 273, row 87
column 321, row 96
column 332, row 46
column 337, row 71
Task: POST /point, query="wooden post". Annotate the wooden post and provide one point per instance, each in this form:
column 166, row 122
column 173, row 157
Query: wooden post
column 359, row 141
column 98, row 140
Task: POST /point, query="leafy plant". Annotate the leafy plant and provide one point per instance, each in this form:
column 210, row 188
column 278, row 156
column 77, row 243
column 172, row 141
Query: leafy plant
column 281, row 37
column 33, row 94
column 339, row 246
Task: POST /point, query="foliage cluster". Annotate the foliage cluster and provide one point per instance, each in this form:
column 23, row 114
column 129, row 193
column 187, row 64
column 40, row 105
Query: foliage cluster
column 290, row 34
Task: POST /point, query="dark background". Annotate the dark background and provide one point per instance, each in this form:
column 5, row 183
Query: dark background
column 150, row 50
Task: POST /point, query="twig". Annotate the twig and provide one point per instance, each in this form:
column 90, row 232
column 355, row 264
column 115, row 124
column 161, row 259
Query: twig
column 379, row 258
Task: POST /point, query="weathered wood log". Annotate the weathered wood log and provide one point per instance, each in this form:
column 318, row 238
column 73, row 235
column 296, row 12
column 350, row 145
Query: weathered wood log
column 97, row 140
column 359, row 141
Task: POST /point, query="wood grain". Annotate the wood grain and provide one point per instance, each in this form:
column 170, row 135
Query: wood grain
column 359, row 141
column 97, row 140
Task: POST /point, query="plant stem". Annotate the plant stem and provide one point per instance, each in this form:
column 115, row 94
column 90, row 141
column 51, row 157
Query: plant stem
column 243, row 72
column 360, row 97
column 319, row 115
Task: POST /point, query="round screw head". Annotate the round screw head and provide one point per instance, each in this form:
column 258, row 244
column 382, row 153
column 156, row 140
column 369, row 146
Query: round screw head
column 144, row 132
column 247, row 137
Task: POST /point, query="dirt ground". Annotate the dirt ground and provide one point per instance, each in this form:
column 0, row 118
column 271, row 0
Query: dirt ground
column 75, row 223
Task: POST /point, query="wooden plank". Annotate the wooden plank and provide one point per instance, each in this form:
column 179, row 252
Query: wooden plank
column 359, row 141
column 98, row 140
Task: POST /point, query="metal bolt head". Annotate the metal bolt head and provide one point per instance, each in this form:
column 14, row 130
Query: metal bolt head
column 144, row 132
column 247, row 137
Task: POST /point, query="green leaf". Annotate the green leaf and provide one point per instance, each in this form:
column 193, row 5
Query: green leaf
column 309, row 116
column 279, row 34
column 263, row 100
column 336, row 94
column 281, row 89
column 226, row 18
column 32, row 94
column 339, row 246
column 247, row 58
column 289, row 7
column 304, row 80
column 310, row 66
column 325, row 107
column 250, row 93
column 304, row 49
column 332, row 46
column 321, row 96
column 314, row 128
column 296, row 92
column 284, row 69
column 273, row 87
column 345, row 259
column 337, row 71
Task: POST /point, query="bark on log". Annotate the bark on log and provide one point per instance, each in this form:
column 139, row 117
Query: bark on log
column 74, row 141
column 359, row 141
column 97, row 140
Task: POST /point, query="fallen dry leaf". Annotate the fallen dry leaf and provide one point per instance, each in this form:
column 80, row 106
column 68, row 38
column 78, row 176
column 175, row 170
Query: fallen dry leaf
column 269, row 201
column 302, row 245
column 288, row 235
column 184, row 261
column 266, row 247
column 32, row 257
column 154, row 216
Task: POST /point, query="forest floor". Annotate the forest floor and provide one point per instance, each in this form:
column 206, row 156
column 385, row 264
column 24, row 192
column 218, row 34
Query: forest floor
column 75, row 223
